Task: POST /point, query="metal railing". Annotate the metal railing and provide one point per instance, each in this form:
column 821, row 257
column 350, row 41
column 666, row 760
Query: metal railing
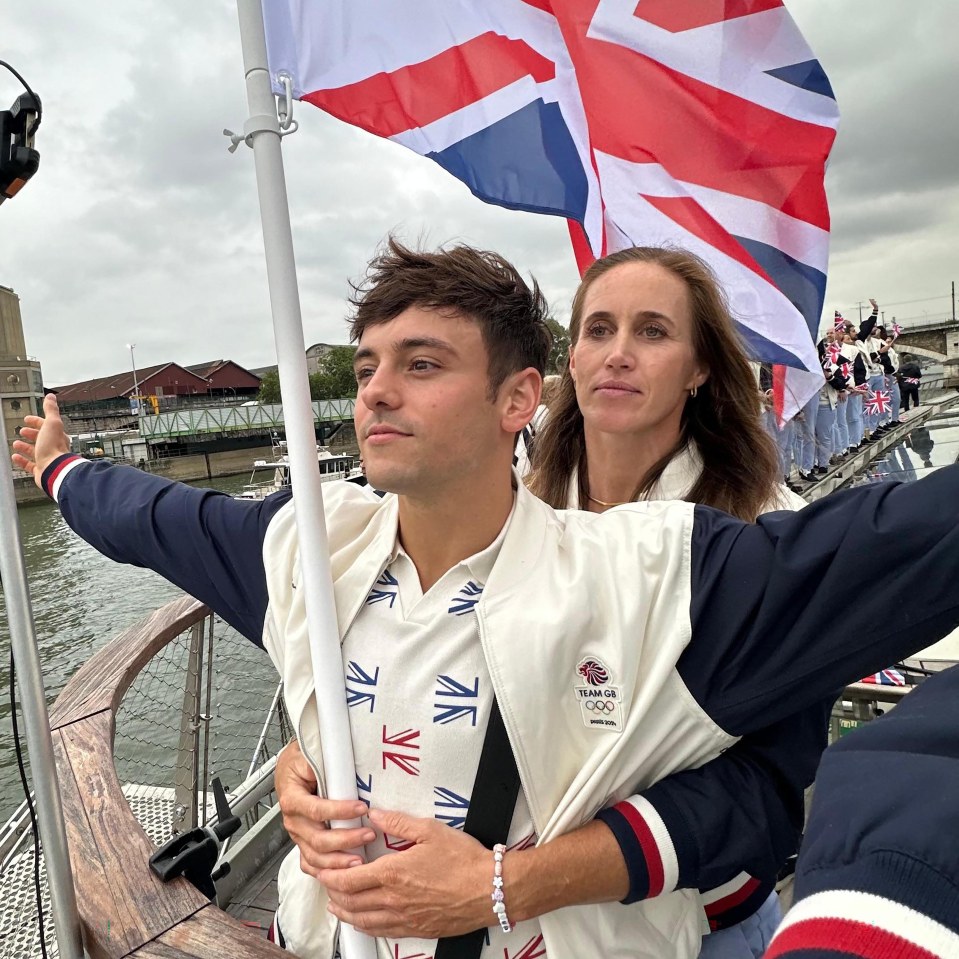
column 193, row 700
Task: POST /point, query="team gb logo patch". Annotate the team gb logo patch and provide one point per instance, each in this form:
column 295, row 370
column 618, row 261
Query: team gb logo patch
column 600, row 705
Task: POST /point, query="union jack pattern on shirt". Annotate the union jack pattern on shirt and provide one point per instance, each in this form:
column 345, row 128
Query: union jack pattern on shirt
column 420, row 695
column 384, row 591
column 587, row 109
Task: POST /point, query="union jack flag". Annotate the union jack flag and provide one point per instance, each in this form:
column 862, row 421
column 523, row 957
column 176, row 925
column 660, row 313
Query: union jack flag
column 878, row 403
column 837, row 321
column 832, row 351
column 887, row 677
column 896, row 329
column 643, row 122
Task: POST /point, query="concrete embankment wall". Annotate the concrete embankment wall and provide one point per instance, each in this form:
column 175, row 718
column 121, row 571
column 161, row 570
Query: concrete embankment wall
column 201, row 466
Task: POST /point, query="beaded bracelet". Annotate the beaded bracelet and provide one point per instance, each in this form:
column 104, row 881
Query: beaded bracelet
column 499, row 902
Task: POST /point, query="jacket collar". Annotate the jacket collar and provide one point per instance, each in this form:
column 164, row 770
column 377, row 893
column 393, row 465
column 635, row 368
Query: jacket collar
column 675, row 482
column 521, row 549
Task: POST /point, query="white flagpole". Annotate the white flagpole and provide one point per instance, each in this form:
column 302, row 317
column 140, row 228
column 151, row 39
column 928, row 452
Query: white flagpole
column 36, row 720
column 329, row 681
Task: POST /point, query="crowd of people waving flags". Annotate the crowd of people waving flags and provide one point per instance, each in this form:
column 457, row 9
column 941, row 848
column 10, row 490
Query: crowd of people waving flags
column 868, row 387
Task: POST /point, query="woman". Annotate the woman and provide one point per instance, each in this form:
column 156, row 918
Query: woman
column 873, row 347
column 829, row 442
column 659, row 402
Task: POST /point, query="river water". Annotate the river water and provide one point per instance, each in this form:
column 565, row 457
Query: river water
column 81, row 599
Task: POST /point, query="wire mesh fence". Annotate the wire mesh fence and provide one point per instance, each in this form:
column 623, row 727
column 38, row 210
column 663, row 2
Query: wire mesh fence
column 205, row 706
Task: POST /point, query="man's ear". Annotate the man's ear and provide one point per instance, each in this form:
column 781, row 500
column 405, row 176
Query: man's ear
column 518, row 399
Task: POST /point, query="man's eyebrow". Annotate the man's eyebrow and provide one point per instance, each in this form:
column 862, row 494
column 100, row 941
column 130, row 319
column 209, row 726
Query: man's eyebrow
column 421, row 342
column 406, row 344
column 364, row 353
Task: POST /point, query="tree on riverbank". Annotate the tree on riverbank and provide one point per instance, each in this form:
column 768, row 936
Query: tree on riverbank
column 559, row 354
column 334, row 381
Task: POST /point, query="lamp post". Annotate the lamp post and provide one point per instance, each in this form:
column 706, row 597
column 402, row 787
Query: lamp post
column 136, row 393
column 136, row 386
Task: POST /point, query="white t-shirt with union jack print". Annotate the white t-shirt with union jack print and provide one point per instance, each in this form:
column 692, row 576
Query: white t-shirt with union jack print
column 419, row 696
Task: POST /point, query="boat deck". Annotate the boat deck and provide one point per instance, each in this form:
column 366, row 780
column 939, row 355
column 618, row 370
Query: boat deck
column 255, row 904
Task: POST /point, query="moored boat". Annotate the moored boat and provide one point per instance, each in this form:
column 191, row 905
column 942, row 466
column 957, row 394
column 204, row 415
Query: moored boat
column 332, row 467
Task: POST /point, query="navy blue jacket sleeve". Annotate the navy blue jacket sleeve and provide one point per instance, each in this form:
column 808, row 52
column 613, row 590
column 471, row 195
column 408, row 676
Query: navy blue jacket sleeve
column 878, row 873
column 205, row 542
column 765, row 640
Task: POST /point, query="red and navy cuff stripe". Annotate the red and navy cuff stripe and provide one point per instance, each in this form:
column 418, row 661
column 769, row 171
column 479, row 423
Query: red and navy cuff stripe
column 53, row 475
column 646, row 846
column 735, row 901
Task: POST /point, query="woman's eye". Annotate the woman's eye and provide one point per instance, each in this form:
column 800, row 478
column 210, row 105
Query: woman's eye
column 597, row 330
column 654, row 332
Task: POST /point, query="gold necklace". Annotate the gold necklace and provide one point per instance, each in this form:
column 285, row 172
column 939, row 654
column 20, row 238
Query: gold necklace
column 601, row 503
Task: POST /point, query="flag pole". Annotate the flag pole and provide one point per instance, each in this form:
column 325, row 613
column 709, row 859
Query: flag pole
column 263, row 130
column 36, row 720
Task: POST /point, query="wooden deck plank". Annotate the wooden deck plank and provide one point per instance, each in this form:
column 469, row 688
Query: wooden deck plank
column 211, row 934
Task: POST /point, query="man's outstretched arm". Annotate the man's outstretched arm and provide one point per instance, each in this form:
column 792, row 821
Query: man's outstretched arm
column 205, row 542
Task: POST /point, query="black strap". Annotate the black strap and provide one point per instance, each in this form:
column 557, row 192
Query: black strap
column 487, row 819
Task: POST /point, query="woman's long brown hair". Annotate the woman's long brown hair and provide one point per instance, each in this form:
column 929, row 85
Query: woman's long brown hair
column 740, row 463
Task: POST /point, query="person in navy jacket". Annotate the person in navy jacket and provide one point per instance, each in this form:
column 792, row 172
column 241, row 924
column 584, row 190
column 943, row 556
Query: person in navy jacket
column 878, row 874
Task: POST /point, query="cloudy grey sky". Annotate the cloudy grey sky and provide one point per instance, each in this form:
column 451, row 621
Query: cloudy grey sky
column 141, row 227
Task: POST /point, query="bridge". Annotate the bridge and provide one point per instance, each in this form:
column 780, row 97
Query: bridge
column 208, row 422
column 936, row 340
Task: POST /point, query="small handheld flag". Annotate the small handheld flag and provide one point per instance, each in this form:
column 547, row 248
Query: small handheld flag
column 886, row 677
column 878, row 403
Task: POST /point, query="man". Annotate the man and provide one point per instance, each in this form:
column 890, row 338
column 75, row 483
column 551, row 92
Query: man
column 695, row 628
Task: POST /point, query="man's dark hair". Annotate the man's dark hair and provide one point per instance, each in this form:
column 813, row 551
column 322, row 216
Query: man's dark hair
column 480, row 285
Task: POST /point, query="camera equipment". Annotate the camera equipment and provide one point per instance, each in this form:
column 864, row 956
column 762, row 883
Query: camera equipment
column 18, row 127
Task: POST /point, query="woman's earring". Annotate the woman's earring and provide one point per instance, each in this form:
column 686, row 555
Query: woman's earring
column 693, row 391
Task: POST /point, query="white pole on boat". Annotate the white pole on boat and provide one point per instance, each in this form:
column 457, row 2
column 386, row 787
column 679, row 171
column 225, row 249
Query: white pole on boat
column 262, row 128
column 36, row 721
